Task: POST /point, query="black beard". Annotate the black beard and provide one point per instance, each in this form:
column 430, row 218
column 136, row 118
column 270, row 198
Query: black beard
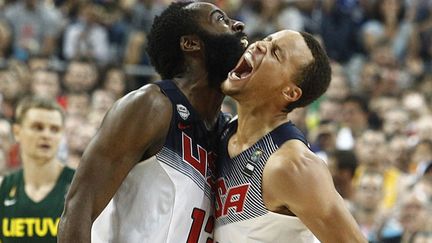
column 222, row 54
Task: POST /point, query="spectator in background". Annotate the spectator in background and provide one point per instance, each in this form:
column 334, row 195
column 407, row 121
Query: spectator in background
column 414, row 102
column 298, row 117
column 395, row 122
column 135, row 52
column 342, row 165
column 266, row 17
column 398, row 153
column 395, row 27
column 86, row 38
column 45, row 83
column 5, row 39
column 33, row 197
column 11, row 89
column 391, row 69
column 78, row 104
column 374, row 222
column 371, row 150
column 421, row 155
column 143, row 13
column 38, row 62
column 355, row 114
column 330, row 110
column 415, row 218
column 77, row 140
column 115, row 81
column 81, row 76
column 423, row 127
column 101, row 101
column 338, row 31
column 325, row 139
column 35, row 27
column 339, row 88
column 6, row 142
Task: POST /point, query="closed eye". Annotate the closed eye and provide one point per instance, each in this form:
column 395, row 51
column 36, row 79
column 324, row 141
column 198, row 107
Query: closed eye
column 274, row 50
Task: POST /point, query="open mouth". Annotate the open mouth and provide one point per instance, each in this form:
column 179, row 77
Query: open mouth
column 244, row 67
column 44, row 146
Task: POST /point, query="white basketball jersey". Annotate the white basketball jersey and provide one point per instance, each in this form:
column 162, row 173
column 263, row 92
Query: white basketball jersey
column 167, row 198
column 241, row 216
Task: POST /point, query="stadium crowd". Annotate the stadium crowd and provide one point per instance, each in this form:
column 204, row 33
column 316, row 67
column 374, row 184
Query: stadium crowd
column 373, row 126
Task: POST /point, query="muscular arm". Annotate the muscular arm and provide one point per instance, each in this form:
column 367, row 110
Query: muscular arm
column 135, row 126
column 296, row 179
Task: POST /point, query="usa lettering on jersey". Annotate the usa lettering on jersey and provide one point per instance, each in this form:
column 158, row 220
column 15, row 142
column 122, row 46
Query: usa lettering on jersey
column 230, row 199
column 203, row 163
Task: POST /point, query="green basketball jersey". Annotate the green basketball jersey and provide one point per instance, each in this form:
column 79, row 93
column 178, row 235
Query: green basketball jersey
column 23, row 220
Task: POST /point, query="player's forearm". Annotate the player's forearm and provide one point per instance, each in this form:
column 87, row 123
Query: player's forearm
column 339, row 227
column 75, row 224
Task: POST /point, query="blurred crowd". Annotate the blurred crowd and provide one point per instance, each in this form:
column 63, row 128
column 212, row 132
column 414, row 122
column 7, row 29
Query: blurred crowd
column 373, row 126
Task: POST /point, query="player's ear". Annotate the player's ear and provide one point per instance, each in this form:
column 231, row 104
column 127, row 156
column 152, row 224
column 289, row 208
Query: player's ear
column 190, row 43
column 292, row 93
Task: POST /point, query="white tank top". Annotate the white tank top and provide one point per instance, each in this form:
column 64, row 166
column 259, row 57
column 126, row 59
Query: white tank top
column 241, row 215
column 167, row 198
column 154, row 204
column 268, row 228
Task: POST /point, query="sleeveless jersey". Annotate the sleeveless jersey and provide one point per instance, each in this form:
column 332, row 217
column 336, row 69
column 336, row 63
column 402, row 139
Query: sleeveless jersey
column 241, row 215
column 25, row 221
column 167, row 198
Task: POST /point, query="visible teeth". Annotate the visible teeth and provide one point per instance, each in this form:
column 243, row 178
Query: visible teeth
column 234, row 75
column 248, row 59
column 244, row 42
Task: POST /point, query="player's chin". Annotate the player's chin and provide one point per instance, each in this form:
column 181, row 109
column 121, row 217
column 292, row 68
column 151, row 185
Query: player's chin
column 228, row 88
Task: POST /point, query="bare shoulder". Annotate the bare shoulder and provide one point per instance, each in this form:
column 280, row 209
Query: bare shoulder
column 137, row 122
column 295, row 161
column 294, row 175
column 143, row 106
column 297, row 180
column 147, row 97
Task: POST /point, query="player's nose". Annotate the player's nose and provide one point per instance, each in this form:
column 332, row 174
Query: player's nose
column 237, row 26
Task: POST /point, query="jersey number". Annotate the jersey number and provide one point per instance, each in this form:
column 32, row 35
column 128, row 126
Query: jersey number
column 198, row 216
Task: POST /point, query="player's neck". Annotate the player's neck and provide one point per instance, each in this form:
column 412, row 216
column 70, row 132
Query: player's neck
column 254, row 123
column 205, row 99
column 38, row 173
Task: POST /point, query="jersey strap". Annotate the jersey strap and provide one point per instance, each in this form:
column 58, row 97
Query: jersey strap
column 181, row 106
column 285, row 132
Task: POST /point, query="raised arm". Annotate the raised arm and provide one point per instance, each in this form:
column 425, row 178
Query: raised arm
column 135, row 126
column 296, row 179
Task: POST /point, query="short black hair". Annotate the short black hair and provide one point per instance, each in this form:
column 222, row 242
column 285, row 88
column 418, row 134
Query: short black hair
column 315, row 77
column 163, row 40
column 346, row 160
